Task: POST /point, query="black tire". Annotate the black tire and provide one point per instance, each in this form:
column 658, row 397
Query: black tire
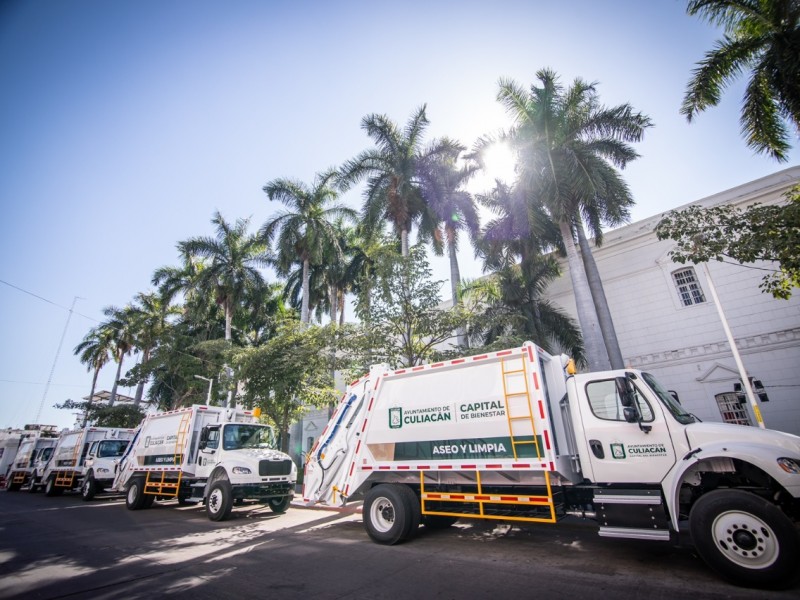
column 13, row 487
column 50, row 488
column 438, row 521
column 32, row 487
column 414, row 511
column 388, row 514
column 746, row 539
column 88, row 488
column 148, row 500
column 219, row 502
column 135, row 497
column 279, row 505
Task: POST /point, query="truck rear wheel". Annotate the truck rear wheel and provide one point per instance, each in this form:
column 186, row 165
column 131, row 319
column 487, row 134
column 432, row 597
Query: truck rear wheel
column 220, row 500
column 134, row 498
column 279, row 505
column 32, row 487
column 389, row 513
column 745, row 538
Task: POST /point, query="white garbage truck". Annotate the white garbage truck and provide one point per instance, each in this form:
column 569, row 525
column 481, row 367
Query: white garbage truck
column 36, row 445
column 516, row 436
column 206, row 454
column 85, row 459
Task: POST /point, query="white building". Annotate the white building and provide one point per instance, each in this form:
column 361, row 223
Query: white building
column 667, row 323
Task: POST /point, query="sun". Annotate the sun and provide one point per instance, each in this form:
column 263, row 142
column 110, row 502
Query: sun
column 499, row 163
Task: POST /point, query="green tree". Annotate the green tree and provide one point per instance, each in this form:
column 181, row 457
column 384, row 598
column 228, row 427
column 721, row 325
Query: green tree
column 392, row 171
column 568, row 146
column 286, row 374
column 305, row 231
column 403, row 323
column 762, row 39
column 122, row 415
column 757, row 233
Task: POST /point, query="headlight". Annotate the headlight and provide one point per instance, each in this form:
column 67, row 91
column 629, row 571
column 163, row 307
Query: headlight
column 790, row 465
column 241, row 471
column 101, row 470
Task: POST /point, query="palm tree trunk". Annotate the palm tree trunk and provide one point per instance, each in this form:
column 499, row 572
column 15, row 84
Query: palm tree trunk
column 404, row 243
column 91, row 396
column 113, row 395
column 140, row 387
column 596, row 355
column 600, row 301
column 304, row 316
column 333, row 293
column 228, row 319
column 455, row 282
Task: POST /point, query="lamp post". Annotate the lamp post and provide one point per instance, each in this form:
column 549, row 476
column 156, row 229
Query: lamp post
column 210, row 383
column 734, row 350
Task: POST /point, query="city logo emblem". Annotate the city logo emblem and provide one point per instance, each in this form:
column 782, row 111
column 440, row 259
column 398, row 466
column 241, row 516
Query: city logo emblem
column 617, row 450
column 395, row 418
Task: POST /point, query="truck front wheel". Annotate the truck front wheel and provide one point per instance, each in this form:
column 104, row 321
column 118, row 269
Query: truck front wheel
column 50, row 488
column 279, row 505
column 88, row 488
column 220, row 500
column 134, row 499
column 745, row 538
column 389, row 513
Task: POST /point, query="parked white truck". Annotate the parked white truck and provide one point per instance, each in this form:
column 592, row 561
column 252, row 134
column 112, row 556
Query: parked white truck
column 35, row 448
column 85, row 459
column 206, row 454
column 513, row 435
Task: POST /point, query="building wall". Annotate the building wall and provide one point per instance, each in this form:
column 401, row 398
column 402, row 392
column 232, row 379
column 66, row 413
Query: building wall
column 685, row 346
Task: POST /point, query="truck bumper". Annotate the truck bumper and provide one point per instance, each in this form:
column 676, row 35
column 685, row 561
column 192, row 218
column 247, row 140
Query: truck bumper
column 263, row 491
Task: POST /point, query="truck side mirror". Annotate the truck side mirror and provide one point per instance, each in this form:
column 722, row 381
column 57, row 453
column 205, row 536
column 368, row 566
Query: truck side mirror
column 625, row 392
column 203, row 438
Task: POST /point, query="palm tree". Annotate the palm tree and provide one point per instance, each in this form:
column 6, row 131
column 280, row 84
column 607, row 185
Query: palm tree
column 148, row 321
column 392, row 171
column 762, row 38
column 118, row 328
column 567, row 143
column 516, row 309
column 305, row 230
column 94, row 351
column 454, row 208
column 233, row 258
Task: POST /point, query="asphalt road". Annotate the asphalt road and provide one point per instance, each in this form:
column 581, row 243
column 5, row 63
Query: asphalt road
column 65, row 548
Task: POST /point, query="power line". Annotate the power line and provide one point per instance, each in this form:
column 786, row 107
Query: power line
column 43, row 299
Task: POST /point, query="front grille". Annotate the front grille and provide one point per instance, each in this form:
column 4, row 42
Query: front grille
column 274, row 467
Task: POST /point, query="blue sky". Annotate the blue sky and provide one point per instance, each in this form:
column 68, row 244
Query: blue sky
column 125, row 125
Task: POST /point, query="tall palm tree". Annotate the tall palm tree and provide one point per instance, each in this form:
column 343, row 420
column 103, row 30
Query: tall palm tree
column 119, row 329
column 568, row 146
column 454, row 208
column 365, row 250
column 762, row 38
column 94, row 351
column 148, row 321
column 233, row 258
column 392, row 172
column 305, row 230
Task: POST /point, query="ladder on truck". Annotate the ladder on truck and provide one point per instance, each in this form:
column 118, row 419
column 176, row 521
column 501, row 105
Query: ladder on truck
column 483, row 503
column 66, row 478
column 158, row 483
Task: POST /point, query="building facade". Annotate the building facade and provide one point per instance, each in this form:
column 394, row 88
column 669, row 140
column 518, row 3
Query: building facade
column 667, row 322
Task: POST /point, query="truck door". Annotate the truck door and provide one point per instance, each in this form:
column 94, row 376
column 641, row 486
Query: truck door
column 620, row 451
column 207, row 456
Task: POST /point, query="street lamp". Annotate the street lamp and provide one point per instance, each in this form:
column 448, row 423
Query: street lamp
column 210, row 383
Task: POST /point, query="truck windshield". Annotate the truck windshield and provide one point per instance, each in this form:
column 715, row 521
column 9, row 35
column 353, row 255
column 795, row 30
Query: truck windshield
column 675, row 409
column 111, row 448
column 236, row 436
